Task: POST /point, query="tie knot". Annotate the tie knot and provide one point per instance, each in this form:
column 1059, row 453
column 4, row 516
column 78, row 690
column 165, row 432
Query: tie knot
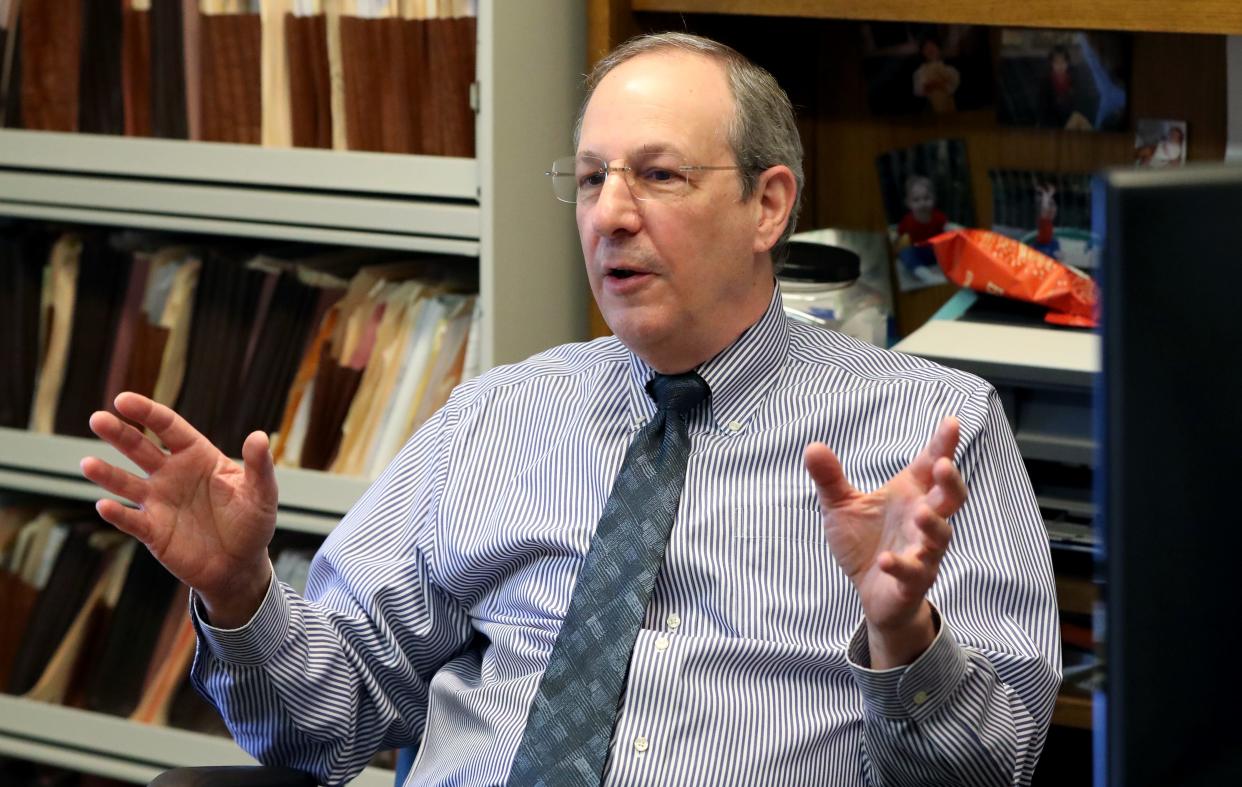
column 679, row 393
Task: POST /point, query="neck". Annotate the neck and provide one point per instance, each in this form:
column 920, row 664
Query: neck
column 687, row 355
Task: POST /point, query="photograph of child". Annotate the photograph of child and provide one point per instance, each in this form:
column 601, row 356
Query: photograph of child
column 1048, row 211
column 1063, row 79
column 926, row 191
column 1159, row 143
column 913, row 68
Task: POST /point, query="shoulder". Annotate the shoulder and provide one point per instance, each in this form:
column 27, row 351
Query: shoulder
column 890, row 387
column 568, row 365
column 841, row 361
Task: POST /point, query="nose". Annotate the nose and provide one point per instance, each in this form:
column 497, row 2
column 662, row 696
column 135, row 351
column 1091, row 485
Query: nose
column 615, row 210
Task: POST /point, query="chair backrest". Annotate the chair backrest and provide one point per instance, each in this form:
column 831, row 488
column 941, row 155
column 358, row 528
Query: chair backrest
column 405, row 761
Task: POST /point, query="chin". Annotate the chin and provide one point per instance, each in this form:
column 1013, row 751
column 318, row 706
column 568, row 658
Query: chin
column 638, row 331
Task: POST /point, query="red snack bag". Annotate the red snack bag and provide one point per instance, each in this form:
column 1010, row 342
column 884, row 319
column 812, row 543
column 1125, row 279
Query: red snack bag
column 992, row 263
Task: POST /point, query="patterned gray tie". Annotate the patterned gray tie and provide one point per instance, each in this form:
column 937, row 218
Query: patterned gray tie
column 575, row 709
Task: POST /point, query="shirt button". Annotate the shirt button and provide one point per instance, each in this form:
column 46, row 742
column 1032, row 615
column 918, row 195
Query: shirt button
column 640, row 744
column 661, row 644
column 920, row 697
column 735, row 426
column 673, row 620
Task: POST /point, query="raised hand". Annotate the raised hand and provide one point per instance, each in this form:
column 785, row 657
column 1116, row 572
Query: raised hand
column 206, row 519
column 890, row 542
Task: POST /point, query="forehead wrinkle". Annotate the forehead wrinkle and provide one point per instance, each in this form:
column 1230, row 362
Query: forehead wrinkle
column 650, row 148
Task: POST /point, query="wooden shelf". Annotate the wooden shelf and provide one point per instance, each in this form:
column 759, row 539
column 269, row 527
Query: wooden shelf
column 1072, row 710
column 1188, row 16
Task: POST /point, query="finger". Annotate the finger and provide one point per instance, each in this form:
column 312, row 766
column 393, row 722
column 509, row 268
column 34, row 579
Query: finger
column 936, row 532
column 942, row 444
column 912, row 573
column 260, row 474
column 128, row 440
column 114, row 480
column 827, row 474
column 949, row 492
column 127, row 520
column 173, row 431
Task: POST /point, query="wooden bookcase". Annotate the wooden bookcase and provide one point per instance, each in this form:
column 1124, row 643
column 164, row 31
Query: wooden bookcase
column 814, row 49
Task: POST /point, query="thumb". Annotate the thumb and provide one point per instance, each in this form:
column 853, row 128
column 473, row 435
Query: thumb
column 260, row 473
column 826, row 472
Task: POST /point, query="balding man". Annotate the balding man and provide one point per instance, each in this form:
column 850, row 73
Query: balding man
column 720, row 547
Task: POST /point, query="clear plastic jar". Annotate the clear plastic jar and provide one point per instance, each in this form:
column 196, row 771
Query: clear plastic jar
column 819, row 285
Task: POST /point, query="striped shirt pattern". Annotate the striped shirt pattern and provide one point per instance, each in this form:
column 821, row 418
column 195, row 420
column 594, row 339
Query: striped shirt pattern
column 433, row 607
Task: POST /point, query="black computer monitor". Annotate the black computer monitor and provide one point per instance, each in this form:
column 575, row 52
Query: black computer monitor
column 1169, row 422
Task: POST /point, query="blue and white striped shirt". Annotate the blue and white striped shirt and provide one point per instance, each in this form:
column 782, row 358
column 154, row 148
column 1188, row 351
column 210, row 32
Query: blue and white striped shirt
column 434, row 606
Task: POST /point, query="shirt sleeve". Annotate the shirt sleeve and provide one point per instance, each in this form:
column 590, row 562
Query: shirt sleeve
column 974, row 708
column 322, row 683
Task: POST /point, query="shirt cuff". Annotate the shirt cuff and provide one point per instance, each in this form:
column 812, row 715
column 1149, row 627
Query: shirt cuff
column 915, row 690
column 257, row 640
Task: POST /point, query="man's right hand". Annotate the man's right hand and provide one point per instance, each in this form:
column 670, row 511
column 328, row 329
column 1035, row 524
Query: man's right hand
column 206, row 519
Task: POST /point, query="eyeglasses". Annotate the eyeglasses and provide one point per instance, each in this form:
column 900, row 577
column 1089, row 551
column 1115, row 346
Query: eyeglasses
column 650, row 176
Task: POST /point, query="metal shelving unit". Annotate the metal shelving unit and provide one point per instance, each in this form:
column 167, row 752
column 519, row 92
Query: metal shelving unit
column 494, row 211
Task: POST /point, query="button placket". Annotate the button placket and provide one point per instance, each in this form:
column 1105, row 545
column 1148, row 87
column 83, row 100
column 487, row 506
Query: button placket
column 672, row 621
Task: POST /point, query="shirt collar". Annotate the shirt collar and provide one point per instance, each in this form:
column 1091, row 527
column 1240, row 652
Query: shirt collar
column 740, row 376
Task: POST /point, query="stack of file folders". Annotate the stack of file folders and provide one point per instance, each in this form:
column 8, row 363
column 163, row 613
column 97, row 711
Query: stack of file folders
column 381, row 75
column 89, row 619
column 339, row 355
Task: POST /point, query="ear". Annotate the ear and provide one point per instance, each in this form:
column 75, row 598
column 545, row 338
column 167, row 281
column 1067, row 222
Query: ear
column 774, row 200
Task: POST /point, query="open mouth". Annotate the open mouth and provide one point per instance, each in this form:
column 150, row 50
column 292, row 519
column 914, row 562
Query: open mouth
column 623, row 273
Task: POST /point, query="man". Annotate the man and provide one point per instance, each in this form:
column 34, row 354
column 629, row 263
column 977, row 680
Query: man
column 809, row 622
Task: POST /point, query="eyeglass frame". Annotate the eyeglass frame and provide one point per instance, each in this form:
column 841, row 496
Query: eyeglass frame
column 627, row 171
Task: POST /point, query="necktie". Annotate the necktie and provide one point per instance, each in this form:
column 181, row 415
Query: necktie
column 575, row 709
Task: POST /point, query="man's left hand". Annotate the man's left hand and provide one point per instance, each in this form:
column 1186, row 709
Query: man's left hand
column 890, row 542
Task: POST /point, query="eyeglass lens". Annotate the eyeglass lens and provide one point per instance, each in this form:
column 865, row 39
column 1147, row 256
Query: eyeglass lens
column 649, row 176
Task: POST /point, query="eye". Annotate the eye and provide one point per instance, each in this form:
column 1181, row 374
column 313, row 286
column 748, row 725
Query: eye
column 591, row 180
column 658, row 174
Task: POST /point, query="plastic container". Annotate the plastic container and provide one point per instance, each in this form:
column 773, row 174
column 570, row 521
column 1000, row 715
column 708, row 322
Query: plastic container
column 820, row 286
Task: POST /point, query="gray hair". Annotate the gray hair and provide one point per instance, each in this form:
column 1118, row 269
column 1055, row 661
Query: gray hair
column 762, row 132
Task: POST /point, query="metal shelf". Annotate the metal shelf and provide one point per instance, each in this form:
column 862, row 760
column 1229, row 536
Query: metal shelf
column 1001, row 354
column 374, row 200
column 116, row 747
column 1056, row 447
column 310, row 501
column 181, row 203
column 248, row 229
column 433, row 177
